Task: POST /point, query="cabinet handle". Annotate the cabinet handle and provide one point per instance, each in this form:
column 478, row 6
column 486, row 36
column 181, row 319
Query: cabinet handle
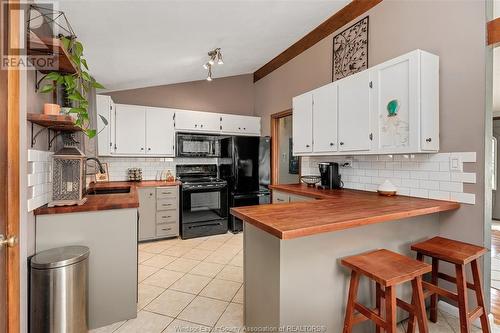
column 195, row 125
column 307, row 146
column 142, row 148
column 239, row 128
column 201, row 125
column 165, row 217
column 166, row 205
column 280, row 200
column 428, row 140
column 244, row 128
column 370, row 136
column 331, row 144
column 341, row 143
column 166, row 229
column 149, row 149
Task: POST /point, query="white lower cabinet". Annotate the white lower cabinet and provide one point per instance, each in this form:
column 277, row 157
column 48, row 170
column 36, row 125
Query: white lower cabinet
column 158, row 212
column 284, row 197
column 390, row 108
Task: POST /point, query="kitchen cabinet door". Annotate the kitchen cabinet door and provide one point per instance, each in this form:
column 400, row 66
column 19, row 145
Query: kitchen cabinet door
column 130, row 129
column 354, row 130
column 105, row 136
column 240, row 125
column 325, row 110
column 429, row 101
column 197, row 121
column 302, row 125
column 395, row 105
column 160, row 131
column 147, row 213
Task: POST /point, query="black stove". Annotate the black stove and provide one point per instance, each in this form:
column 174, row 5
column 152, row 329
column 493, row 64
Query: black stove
column 204, row 201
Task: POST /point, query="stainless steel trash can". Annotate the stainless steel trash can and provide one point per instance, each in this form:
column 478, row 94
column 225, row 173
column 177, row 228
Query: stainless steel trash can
column 59, row 290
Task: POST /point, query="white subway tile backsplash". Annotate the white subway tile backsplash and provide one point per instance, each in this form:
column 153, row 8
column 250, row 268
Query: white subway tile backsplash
column 419, row 175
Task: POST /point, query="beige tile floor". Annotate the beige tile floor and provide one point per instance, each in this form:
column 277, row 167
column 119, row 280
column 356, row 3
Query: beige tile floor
column 196, row 286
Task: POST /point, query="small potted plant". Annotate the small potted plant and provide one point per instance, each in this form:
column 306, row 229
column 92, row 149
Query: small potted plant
column 75, row 86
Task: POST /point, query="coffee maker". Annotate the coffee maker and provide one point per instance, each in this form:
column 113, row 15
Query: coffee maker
column 330, row 177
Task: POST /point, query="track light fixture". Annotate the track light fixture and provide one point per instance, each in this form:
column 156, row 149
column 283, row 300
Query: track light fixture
column 214, row 55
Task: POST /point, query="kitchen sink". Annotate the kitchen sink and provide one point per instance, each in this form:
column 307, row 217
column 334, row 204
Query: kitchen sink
column 116, row 190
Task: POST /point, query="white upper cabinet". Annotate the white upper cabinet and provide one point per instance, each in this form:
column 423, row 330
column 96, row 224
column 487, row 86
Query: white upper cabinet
column 130, row 129
column 354, row 113
column 160, row 131
column 390, row 108
column 196, row 121
column 325, row 112
column 240, row 125
column 302, row 124
column 106, row 135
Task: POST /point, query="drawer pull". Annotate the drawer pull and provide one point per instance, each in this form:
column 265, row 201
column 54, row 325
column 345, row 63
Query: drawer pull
column 166, row 229
column 166, row 205
column 282, row 200
column 166, row 217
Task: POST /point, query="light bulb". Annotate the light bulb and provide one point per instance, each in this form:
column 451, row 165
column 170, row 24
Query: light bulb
column 209, row 78
column 205, row 65
column 211, row 61
column 220, row 62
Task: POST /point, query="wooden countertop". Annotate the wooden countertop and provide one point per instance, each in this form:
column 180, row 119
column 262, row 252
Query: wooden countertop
column 97, row 202
column 334, row 210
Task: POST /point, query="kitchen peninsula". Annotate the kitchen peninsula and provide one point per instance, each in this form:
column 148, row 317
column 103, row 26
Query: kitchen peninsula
column 291, row 251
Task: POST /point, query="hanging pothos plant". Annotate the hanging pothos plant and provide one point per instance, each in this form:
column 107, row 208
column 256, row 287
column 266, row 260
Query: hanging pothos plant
column 76, row 86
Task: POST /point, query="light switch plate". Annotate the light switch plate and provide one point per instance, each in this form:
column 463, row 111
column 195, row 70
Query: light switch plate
column 456, row 164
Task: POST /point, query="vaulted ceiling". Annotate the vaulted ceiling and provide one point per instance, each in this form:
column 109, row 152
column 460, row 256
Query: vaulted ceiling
column 142, row 43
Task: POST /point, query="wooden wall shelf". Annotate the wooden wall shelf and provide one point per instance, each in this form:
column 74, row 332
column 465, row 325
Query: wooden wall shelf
column 49, row 47
column 54, row 122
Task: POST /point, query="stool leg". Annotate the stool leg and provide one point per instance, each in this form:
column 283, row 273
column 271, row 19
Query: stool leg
column 378, row 304
column 434, row 297
column 419, row 304
column 390, row 309
column 478, row 288
column 411, row 320
column 463, row 310
column 349, row 311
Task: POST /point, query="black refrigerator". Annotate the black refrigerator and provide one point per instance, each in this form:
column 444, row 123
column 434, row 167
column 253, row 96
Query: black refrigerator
column 246, row 167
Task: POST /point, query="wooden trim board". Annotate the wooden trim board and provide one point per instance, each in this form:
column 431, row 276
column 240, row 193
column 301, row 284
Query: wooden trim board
column 493, row 28
column 275, row 117
column 335, row 22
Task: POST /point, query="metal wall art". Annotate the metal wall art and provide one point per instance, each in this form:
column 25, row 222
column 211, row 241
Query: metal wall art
column 350, row 50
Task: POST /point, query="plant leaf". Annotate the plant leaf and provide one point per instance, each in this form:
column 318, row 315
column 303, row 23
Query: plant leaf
column 66, row 42
column 52, row 76
column 90, row 133
column 76, row 96
column 86, row 76
column 84, row 63
column 97, row 85
column 78, row 110
column 78, row 49
column 104, row 120
column 47, row 88
column 69, row 81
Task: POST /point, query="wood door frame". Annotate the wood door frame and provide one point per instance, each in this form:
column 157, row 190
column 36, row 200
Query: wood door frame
column 10, row 169
column 275, row 117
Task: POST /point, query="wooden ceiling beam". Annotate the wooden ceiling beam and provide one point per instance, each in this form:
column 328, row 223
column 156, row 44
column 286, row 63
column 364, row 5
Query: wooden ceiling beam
column 335, row 22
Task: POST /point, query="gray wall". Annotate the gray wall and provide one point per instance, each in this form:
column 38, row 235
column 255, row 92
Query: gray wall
column 453, row 30
column 232, row 94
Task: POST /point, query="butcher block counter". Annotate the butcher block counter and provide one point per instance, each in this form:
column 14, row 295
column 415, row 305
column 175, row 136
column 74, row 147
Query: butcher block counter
column 292, row 251
column 334, row 210
column 97, row 202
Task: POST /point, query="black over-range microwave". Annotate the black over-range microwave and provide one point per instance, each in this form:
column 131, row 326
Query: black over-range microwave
column 197, row 145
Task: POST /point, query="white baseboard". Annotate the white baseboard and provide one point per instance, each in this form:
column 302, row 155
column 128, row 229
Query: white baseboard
column 453, row 311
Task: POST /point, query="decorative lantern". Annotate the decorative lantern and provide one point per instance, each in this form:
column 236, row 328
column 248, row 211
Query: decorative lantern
column 68, row 177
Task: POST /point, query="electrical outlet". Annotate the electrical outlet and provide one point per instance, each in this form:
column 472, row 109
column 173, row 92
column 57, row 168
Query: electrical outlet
column 455, row 163
column 346, row 164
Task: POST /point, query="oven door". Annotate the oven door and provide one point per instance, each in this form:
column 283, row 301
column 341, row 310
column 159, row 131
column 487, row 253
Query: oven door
column 189, row 145
column 204, row 212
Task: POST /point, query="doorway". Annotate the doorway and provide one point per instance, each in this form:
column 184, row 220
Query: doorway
column 285, row 167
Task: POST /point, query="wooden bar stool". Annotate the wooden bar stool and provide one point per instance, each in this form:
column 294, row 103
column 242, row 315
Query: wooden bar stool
column 388, row 269
column 459, row 254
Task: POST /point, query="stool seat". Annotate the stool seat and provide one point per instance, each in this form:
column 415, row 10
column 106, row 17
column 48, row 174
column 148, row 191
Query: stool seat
column 386, row 267
column 449, row 250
